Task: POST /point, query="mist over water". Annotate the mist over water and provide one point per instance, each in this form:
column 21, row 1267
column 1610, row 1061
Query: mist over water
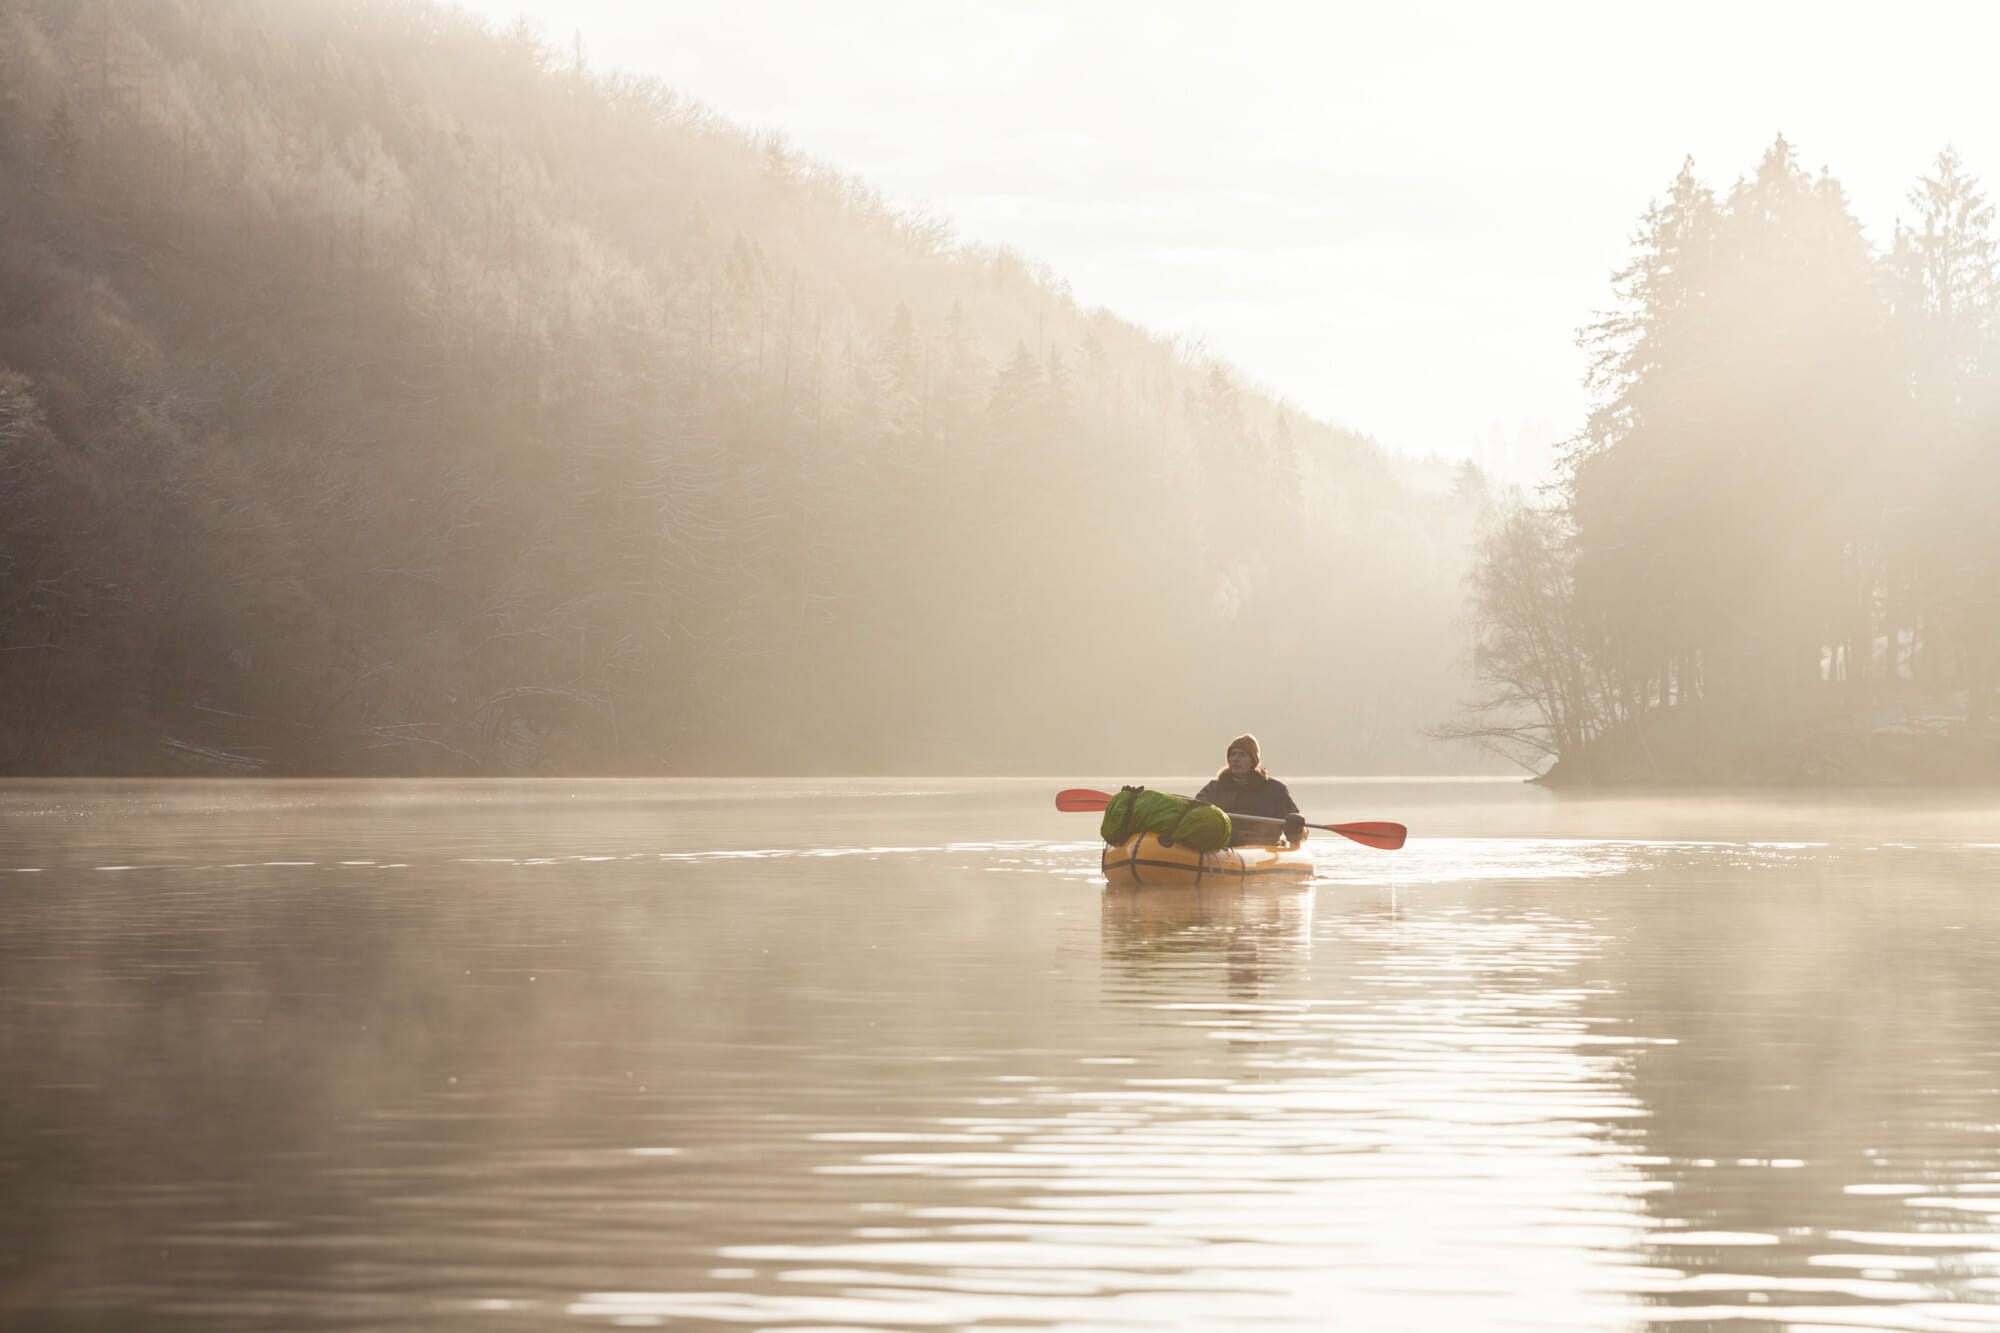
column 391, row 396
column 891, row 1055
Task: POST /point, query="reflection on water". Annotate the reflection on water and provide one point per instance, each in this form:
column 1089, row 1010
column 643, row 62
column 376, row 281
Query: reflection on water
column 853, row 1055
column 1241, row 938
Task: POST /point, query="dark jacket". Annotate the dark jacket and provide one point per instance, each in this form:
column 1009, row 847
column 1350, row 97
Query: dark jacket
column 1257, row 794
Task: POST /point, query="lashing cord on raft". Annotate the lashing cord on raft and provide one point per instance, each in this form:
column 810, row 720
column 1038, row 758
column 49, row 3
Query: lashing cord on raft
column 1131, row 795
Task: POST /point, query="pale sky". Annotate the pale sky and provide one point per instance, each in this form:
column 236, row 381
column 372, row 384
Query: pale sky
column 1394, row 216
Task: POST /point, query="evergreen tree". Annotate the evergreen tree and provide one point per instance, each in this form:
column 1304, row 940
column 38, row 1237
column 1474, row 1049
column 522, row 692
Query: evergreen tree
column 1944, row 576
column 1947, row 287
column 1723, row 513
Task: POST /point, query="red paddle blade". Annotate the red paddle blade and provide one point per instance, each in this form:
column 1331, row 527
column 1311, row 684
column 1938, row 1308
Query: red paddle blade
column 1076, row 799
column 1384, row 835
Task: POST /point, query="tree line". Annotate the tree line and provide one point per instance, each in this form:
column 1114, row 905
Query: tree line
column 1774, row 549
column 383, row 392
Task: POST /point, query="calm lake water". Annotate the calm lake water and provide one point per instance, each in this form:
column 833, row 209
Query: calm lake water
column 890, row 1055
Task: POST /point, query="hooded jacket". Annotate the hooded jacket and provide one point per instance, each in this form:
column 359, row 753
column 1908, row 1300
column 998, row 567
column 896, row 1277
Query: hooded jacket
column 1258, row 793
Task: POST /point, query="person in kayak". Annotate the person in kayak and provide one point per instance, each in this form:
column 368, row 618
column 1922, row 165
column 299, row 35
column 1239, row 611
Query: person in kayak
column 1244, row 788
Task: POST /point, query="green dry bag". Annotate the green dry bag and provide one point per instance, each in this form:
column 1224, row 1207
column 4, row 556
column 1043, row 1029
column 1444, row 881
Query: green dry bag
column 1178, row 820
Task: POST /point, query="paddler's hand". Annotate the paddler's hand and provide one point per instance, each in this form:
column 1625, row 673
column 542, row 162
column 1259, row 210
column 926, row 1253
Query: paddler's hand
column 1295, row 829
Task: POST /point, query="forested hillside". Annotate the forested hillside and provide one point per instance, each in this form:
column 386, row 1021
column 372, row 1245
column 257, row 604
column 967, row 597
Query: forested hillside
column 1776, row 553
column 382, row 393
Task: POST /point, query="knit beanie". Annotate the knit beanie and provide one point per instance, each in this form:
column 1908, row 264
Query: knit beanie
column 1246, row 742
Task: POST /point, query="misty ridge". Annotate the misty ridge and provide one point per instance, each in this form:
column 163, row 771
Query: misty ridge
column 382, row 393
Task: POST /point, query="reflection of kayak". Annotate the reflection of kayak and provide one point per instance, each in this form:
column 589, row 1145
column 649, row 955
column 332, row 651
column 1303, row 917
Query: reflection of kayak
column 1142, row 859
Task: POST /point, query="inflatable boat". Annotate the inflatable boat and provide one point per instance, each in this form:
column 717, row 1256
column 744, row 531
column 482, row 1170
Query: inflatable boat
column 1144, row 859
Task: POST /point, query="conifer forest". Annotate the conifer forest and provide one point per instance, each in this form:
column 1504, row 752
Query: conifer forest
column 1774, row 552
column 384, row 393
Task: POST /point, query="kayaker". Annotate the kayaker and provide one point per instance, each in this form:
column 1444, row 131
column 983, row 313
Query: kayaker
column 1244, row 788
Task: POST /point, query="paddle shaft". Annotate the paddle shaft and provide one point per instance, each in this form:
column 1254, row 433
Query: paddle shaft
column 1385, row 835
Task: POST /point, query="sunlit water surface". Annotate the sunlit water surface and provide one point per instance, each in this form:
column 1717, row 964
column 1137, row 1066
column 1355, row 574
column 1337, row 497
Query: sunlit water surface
column 890, row 1055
